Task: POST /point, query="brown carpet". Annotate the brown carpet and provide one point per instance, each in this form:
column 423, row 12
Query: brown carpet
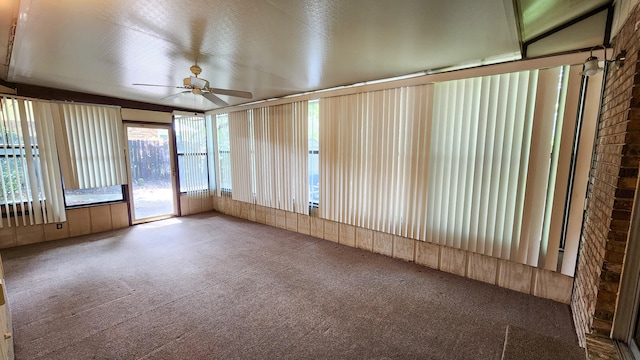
column 522, row 344
column 215, row 287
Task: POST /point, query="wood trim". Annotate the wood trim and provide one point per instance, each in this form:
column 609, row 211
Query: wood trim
column 626, row 314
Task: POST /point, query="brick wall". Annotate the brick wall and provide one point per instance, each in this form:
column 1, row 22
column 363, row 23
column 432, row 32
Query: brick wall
column 612, row 185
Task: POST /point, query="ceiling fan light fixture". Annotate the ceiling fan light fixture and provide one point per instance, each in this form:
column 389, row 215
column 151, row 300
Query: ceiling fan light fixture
column 195, row 82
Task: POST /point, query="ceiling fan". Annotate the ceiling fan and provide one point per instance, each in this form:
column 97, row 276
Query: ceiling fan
column 198, row 86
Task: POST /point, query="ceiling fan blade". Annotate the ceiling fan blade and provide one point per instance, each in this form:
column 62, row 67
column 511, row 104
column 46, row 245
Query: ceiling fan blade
column 174, row 95
column 236, row 93
column 214, row 99
column 166, row 86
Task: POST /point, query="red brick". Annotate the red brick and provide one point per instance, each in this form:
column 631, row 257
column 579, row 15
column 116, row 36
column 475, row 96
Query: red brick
column 611, row 191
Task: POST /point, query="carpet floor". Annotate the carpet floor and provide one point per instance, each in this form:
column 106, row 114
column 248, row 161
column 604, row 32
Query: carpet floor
column 215, row 287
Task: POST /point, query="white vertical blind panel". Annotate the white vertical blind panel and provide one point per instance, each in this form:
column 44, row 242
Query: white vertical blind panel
column 539, row 166
column 264, row 131
column 33, row 204
column 415, row 104
column 327, row 151
column 280, row 118
column 223, row 175
column 363, row 145
column 10, row 119
column 239, row 140
column 212, row 154
column 300, row 157
column 328, row 156
column 515, row 120
column 471, row 118
column 423, row 105
column 518, row 242
column 505, row 138
column 51, row 179
column 435, row 165
column 95, row 147
column 182, row 133
column 559, row 178
column 261, row 135
column 454, row 189
column 477, row 141
column 183, row 126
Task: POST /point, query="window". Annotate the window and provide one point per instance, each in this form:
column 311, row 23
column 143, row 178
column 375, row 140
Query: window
column 314, row 152
column 191, row 148
column 279, row 140
column 91, row 157
column 13, row 156
column 224, row 152
column 493, row 164
column 374, row 159
column 30, row 181
column 92, row 196
column 463, row 163
column 13, row 163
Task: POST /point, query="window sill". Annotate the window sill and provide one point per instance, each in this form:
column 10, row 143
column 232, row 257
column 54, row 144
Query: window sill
column 80, row 206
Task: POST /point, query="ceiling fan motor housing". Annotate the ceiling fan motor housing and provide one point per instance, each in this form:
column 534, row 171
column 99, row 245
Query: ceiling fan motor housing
column 195, row 69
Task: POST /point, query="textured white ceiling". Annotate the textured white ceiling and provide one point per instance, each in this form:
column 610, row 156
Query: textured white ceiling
column 8, row 14
column 271, row 48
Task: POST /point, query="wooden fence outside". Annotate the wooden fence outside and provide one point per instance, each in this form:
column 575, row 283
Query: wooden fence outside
column 150, row 161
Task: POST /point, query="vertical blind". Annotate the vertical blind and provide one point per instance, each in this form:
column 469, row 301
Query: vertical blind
column 29, row 172
column 223, row 151
column 193, row 155
column 374, row 153
column 44, row 115
column 94, row 155
column 212, row 150
column 240, row 141
column 269, row 156
column 468, row 163
column 480, row 155
column 540, row 187
column 281, row 155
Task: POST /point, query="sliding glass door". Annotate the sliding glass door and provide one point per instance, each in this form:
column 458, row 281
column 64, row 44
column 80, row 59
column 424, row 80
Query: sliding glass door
column 634, row 342
column 152, row 172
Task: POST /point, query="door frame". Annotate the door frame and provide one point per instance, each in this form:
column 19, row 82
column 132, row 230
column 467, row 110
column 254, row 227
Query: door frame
column 172, row 160
column 626, row 317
